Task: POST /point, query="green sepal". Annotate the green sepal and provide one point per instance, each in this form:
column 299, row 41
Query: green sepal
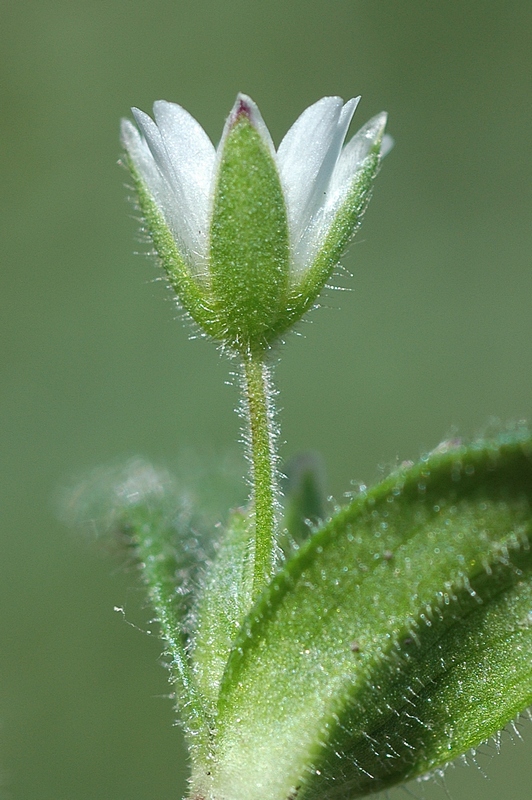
column 249, row 251
column 398, row 636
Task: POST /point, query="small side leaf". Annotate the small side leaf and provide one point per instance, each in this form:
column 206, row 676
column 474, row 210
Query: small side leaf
column 397, row 637
column 304, row 501
column 143, row 507
column 225, row 600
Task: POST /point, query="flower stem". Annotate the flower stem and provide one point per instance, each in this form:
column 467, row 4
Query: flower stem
column 261, row 436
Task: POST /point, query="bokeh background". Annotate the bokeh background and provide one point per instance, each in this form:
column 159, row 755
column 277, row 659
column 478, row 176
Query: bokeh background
column 435, row 338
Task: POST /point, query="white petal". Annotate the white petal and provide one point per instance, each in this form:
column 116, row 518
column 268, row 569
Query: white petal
column 388, row 143
column 144, row 162
column 306, row 158
column 171, row 209
column 141, row 156
column 154, row 141
column 302, row 152
column 185, row 214
column 192, row 156
column 341, row 182
column 349, row 163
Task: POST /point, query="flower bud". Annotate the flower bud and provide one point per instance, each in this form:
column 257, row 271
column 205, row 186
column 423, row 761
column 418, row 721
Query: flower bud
column 248, row 236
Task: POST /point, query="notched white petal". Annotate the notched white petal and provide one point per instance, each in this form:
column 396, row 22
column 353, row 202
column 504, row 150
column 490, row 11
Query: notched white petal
column 347, row 167
column 189, row 148
column 301, row 154
column 153, row 139
column 319, row 194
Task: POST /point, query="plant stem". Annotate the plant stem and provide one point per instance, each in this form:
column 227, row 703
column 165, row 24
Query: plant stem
column 261, row 436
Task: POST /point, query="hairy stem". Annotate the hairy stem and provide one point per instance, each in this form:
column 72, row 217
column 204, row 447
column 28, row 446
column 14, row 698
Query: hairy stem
column 261, row 435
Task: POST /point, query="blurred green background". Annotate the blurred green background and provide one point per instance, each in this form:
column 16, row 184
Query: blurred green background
column 96, row 366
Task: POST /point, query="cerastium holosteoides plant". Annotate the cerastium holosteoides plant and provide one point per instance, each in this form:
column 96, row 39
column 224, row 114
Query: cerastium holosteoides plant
column 392, row 636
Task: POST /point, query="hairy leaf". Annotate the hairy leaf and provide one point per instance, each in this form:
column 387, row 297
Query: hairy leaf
column 223, row 605
column 145, row 508
column 399, row 635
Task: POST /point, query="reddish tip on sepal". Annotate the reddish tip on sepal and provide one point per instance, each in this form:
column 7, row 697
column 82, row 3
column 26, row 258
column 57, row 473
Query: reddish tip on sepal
column 243, row 107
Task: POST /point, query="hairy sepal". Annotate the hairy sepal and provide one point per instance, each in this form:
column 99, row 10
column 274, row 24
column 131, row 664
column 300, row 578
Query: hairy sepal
column 249, row 257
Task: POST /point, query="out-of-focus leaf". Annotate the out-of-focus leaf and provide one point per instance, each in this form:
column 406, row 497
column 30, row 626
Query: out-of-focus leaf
column 144, row 510
column 304, row 502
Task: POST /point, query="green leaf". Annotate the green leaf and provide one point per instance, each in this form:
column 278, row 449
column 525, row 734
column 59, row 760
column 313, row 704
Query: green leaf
column 399, row 635
column 304, row 501
column 249, row 254
column 225, row 600
column 147, row 513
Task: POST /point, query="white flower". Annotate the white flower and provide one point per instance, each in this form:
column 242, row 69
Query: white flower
column 324, row 187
